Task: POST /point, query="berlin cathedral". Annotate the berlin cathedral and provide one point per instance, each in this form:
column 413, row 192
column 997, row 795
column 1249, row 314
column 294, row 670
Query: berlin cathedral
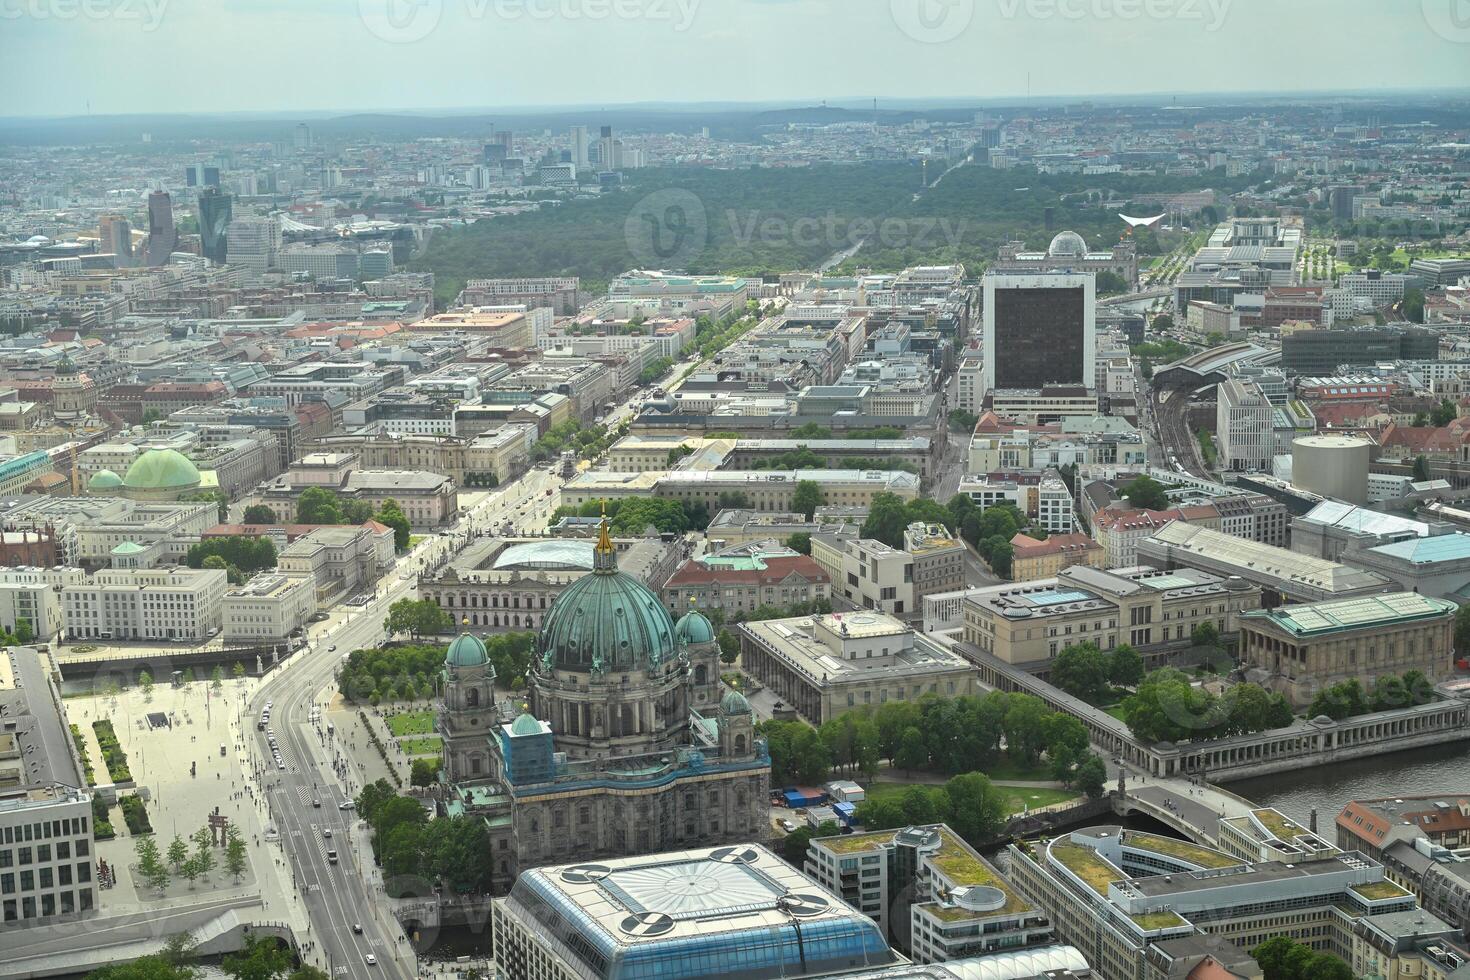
column 622, row 745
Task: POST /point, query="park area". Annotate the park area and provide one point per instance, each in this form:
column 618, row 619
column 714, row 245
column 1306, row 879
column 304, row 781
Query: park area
column 1020, row 798
column 406, row 723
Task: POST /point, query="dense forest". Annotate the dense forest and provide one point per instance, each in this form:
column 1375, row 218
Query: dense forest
column 765, row 220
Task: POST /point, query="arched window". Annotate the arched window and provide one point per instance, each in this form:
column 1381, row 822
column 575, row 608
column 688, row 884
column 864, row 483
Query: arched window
column 474, row 765
column 701, row 674
column 740, row 748
column 472, row 698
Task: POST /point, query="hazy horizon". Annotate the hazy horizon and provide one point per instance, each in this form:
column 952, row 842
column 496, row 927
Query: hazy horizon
column 69, row 58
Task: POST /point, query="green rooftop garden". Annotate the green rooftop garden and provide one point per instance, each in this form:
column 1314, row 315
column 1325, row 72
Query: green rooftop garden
column 1205, row 857
column 1377, row 891
column 1164, row 919
column 852, row 843
column 1086, row 864
column 1277, row 823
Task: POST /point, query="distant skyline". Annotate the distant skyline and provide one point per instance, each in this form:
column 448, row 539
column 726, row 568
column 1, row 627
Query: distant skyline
column 109, row 57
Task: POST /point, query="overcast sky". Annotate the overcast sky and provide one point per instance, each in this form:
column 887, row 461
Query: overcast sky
column 127, row 56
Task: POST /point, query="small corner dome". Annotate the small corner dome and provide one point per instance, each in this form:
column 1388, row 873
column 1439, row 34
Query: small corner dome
column 693, row 627
column 104, row 480
column 1068, row 244
column 525, row 725
column 466, row 651
column 734, row 703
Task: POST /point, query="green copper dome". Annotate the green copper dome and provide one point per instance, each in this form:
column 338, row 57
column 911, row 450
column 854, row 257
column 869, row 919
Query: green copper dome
column 525, row 725
column 466, row 651
column 734, row 703
column 162, row 469
column 606, row 622
column 694, row 628
column 104, row 480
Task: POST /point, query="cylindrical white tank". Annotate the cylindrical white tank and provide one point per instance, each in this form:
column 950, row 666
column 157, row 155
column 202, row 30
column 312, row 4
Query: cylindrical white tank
column 1333, row 466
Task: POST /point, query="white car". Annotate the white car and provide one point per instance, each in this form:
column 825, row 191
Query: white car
column 372, row 960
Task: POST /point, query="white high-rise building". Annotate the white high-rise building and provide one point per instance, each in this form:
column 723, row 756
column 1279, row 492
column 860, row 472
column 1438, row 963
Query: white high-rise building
column 581, row 148
column 174, row 604
column 1040, row 330
column 254, row 243
column 1244, row 427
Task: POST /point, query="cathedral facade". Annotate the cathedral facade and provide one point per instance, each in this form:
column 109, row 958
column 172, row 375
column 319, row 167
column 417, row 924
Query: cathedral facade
column 623, row 744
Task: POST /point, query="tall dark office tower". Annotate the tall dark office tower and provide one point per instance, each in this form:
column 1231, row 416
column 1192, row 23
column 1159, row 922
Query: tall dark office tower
column 214, row 220
column 1040, row 330
column 163, row 237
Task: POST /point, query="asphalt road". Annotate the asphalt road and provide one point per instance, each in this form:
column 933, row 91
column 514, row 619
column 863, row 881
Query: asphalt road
column 340, row 896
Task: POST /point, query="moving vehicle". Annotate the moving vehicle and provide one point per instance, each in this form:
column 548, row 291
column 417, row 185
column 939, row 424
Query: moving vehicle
column 332, row 856
column 357, row 928
column 327, row 832
column 372, row 960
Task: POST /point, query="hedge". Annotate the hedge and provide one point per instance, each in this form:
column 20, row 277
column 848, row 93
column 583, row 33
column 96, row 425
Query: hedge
column 76, row 736
column 135, row 815
column 101, row 826
column 112, row 752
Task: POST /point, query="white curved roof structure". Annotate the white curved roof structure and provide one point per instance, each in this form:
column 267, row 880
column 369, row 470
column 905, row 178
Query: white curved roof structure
column 1142, row 222
column 1013, row 966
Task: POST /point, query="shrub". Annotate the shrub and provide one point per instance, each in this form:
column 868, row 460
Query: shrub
column 112, row 752
column 81, row 743
column 135, row 815
column 101, row 826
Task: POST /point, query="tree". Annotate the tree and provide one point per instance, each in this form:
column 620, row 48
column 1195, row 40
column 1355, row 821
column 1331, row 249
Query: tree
column 1127, row 666
column 1110, row 284
column 1062, row 764
column 794, row 847
column 318, row 505
column 217, row 679
column 1163, row 323
column 423, row 772
column 418, row 617
column 1345, row 699
column 23, row 631
column 1091, row 777
column 150, row 865
column 1024, row 725
column 235, row 860
column 1145, row 493
column 178, row 853
column 180, row 949
column 392, row 515
column 144, row 968
column 913, row 751
column 961, row 420
column 886, row 520
column 1462, row 630
column 237, row 671
column 800, row 542
column 262, row 959
column 1000, row 553
column 356, row 511
column 145, row 681
column 807, row 497
column 216, row 497
column 1414, row 304
column 977, row 808
column 259, row 514
column 1083, row 672
column 1444, row 414
column 204, row 849
column 1421, row 469
column 729, row 646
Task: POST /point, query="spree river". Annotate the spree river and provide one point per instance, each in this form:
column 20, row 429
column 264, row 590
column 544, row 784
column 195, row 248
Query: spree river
column 1416, row 772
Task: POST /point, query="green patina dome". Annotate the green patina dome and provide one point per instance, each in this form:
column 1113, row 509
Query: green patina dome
column 104, row 480
column 128, row 548
column 694, row 628
column 525, row 725
column 606, row 622
column 162, row 469
column 734, row 703
column 466, row 651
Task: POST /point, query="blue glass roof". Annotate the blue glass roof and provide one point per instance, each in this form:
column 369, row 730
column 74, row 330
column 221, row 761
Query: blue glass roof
column 1052, row 597
column 1424, row 551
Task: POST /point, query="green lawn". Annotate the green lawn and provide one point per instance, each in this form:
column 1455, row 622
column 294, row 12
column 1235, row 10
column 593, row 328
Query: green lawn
column 410, row 723
column 1007, row 771
column 429, row 745
column 1020, row 797
column 1117, row 712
